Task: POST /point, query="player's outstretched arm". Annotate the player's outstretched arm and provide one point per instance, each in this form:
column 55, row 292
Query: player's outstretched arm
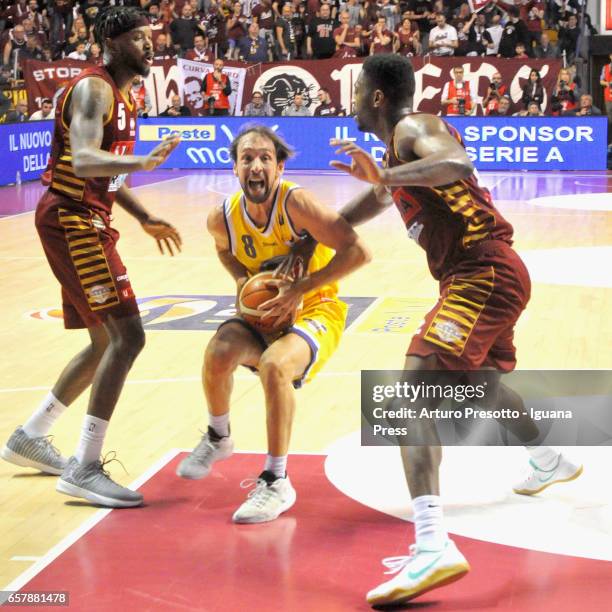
column 440, row 157
column 167, row 237
column 367, row 205
column 329, row 228
column 90, row 102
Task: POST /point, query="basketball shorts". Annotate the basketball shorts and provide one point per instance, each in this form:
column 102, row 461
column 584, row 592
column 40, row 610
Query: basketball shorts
column 81, row 249
column 472, row 324
column 320, row 324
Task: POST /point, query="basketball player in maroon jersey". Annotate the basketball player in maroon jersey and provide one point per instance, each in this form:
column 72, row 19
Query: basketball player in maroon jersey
column 484, row 287
column 95, row 128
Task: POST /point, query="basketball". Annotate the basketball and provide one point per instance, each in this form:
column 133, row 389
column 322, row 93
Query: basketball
column 254, row 293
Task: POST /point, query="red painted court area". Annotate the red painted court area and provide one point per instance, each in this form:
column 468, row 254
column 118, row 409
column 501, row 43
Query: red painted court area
column 182, row 552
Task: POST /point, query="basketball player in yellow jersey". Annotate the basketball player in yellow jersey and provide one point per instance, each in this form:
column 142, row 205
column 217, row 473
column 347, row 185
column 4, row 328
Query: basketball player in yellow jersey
column 257, row 224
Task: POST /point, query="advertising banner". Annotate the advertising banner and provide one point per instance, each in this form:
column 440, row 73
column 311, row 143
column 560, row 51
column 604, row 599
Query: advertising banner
column 495, row 143
column 24, row 150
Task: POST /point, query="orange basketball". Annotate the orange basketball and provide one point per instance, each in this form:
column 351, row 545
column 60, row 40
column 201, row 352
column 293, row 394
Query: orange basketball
column 254, row 293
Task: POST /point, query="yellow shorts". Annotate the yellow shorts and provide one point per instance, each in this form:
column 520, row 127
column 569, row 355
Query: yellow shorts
column 320, row 324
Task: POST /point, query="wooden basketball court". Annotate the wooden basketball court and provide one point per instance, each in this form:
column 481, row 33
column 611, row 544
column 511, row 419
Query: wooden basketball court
column 563, row 228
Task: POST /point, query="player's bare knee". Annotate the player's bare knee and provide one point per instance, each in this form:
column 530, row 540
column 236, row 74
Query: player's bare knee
column 129, row 338
column 221, row 356
column 274, row 369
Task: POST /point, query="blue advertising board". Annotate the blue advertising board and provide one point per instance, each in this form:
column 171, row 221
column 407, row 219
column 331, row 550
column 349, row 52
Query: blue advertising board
column 493, row 143
column 24, row 150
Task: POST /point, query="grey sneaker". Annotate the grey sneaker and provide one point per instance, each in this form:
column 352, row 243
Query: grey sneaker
column 37, row 453
column 199, row 461
column 267, row 501
column 93, row 483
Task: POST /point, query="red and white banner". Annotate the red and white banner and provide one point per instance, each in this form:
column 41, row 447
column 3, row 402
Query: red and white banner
column 190, row 85
column 476, row 5
column 279, row 81
column 606, row 16
column 48, row 79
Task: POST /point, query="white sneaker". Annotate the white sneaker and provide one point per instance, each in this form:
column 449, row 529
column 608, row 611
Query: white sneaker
column 539, row 479
column 420, row 572
column 199, row 461
column 267, row 501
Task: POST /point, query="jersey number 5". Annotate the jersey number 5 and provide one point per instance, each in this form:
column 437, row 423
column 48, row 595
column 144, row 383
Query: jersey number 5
column 121, row 118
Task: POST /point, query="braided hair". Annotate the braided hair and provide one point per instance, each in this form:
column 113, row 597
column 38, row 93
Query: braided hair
column 116, row 20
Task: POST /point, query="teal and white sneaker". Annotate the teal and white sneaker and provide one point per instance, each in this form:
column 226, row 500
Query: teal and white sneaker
column 37, row 453
column 539, row 479
column 421, row 571
column 93, row 483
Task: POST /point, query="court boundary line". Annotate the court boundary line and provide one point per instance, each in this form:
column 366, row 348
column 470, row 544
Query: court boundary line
column 87, row 525
column 67, row 541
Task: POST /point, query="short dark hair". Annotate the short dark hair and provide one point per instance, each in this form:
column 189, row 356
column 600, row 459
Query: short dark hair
column 46, row 101
column 392, row 74
column 116, row 20
column 282, row 149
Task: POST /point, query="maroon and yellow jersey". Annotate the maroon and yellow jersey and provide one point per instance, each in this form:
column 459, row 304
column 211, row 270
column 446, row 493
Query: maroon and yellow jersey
column 119, row 137
column 447, row 220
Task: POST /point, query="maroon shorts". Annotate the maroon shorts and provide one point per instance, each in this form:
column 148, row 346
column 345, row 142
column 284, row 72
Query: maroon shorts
column 81, row 250
column 472, row 324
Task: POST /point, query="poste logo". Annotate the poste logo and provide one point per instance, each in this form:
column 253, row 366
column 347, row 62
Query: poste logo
column 188, row 133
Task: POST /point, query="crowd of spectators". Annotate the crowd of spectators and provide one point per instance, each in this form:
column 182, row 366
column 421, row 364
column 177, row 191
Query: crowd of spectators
column 276, row 30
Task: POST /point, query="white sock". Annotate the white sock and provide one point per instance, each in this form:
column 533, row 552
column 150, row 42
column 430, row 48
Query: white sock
column 220, row 423
column 93, row 432
column 276, row 465
column 46, row 414
column 543, row 456
column 430, row 533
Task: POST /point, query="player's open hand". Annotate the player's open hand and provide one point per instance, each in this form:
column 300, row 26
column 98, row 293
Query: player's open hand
column 161, row 152
column 362, row 166
column 286, row 303
column 166, row 235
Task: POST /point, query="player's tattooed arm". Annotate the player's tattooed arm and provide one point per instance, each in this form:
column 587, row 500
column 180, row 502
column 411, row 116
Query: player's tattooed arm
column 215, row 224
column 90, row 105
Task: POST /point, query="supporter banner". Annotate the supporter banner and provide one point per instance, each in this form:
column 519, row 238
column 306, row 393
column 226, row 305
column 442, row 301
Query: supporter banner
column 24, row 150
column 476, row 5
column 48, row 79
column 606, row 16
column 190, row 84
column 279, row 81
column 495, row 143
